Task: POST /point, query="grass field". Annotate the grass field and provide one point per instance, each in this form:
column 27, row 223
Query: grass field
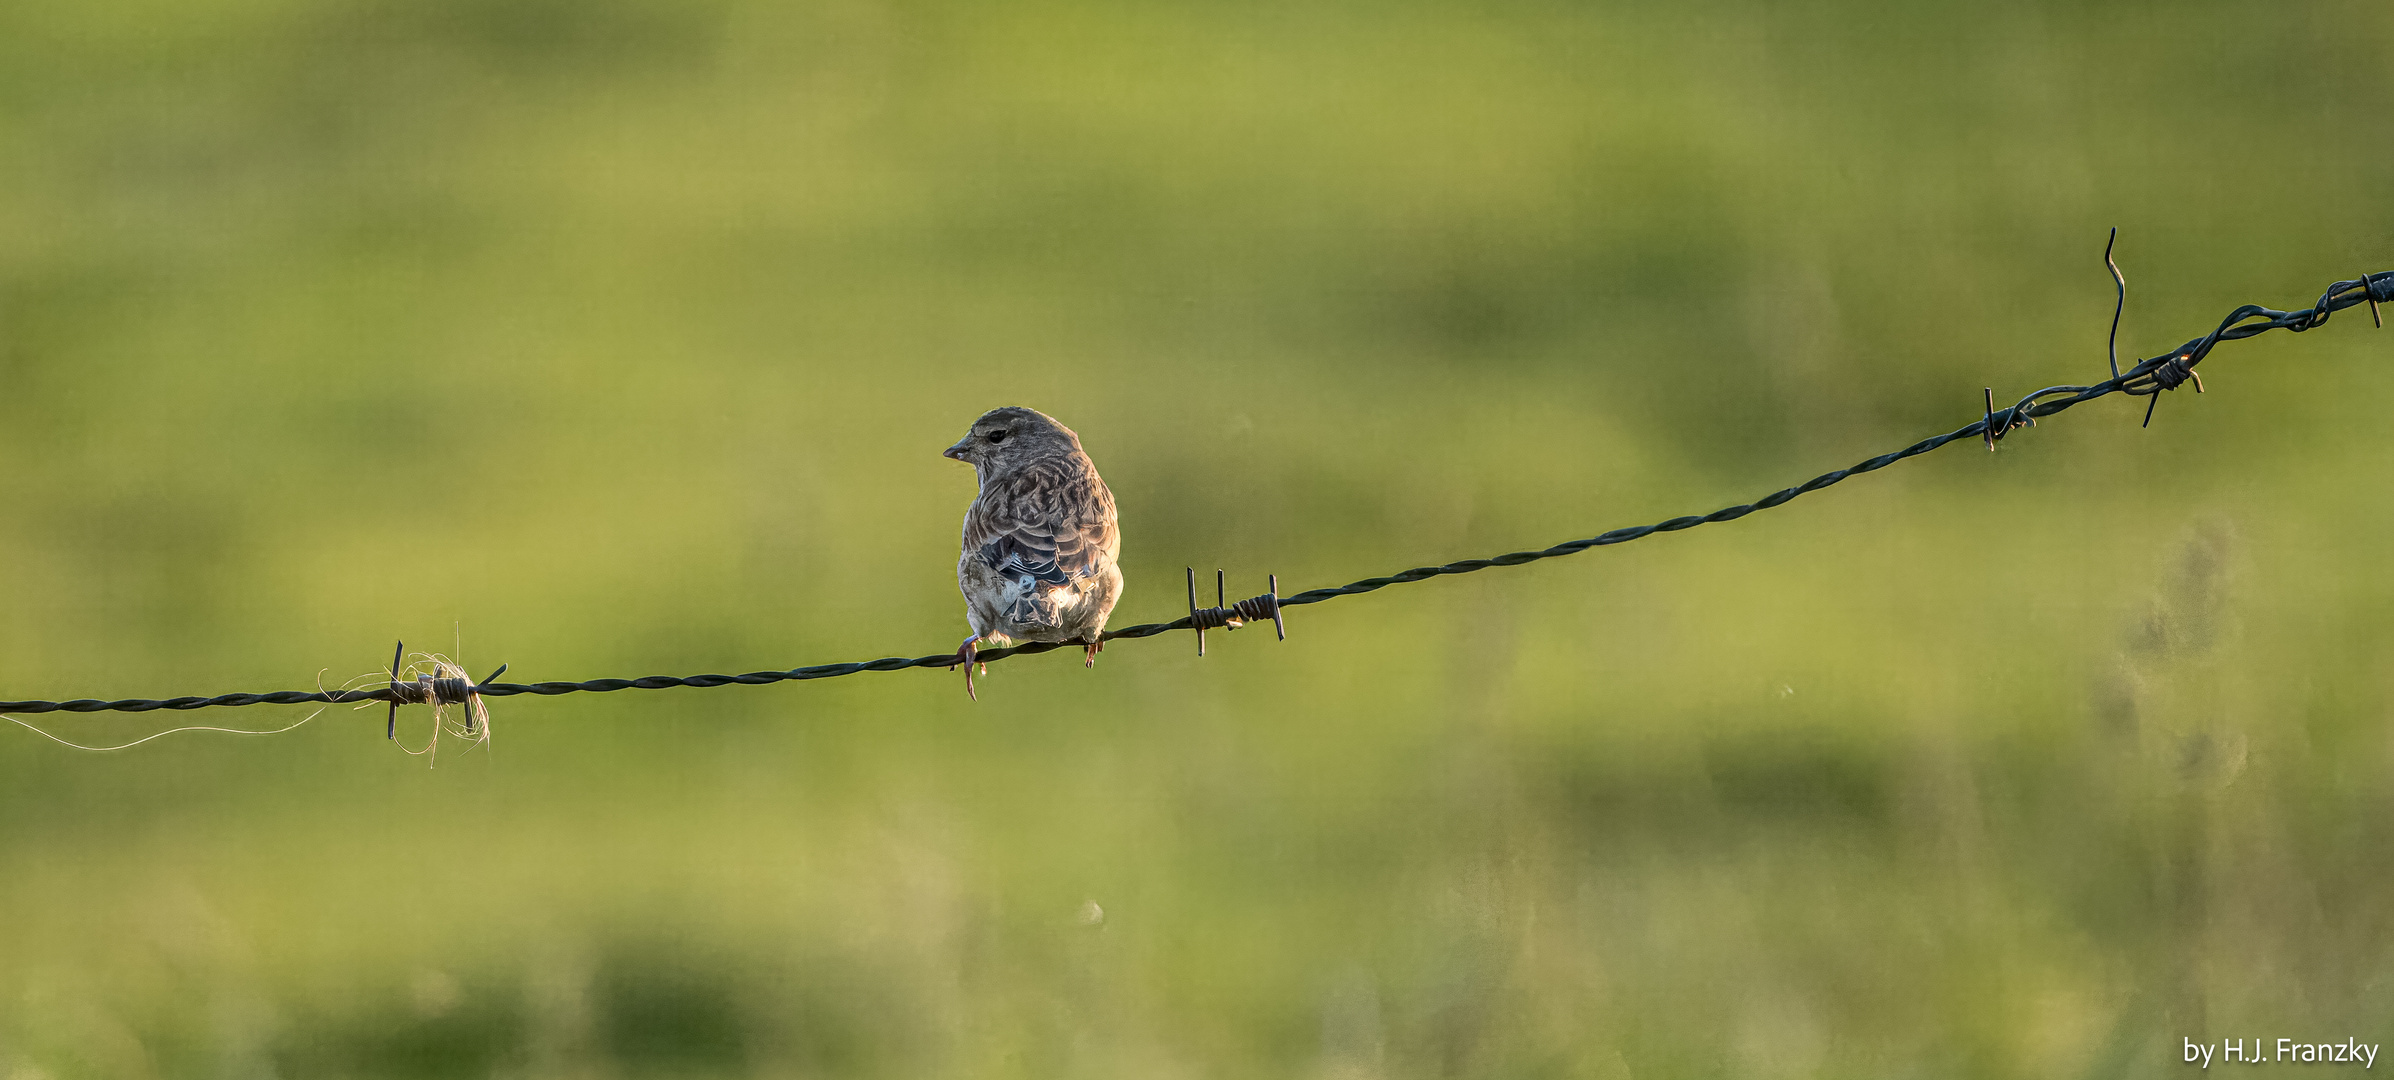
column 620, row 337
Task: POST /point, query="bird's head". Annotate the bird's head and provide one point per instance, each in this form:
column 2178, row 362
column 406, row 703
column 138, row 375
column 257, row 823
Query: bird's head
column 1003, row 439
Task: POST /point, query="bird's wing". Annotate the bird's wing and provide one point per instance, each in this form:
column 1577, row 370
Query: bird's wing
column 1048, row 526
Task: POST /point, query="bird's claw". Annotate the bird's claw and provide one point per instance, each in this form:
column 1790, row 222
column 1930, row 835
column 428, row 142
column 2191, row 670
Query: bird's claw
column 965, row 655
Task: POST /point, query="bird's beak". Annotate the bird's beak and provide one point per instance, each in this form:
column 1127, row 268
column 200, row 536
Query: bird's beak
column 957, row 451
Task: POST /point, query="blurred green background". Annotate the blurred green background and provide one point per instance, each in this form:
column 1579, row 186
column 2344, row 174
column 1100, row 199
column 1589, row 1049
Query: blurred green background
column 620, row 337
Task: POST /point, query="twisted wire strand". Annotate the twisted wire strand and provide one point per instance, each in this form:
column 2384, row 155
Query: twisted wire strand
column 2147, row 377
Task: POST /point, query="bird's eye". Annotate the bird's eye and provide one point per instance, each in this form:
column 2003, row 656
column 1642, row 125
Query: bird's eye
column 997, row 436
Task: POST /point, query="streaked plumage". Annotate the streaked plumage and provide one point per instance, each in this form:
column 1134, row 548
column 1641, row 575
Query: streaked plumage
column 1040, row 541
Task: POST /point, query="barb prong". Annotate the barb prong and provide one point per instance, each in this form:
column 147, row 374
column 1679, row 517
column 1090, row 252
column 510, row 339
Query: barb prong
column 2112, row 347
column 1194, row 622
column 390, row 721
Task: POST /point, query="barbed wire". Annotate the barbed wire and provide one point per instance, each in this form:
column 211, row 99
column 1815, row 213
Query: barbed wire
column 2149, row 377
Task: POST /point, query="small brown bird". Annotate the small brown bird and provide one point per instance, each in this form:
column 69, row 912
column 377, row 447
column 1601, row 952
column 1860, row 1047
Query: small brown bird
column 1040, row 542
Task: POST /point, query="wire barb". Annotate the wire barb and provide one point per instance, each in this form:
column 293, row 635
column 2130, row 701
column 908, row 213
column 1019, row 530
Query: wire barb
column 2146, row 377
column 1225, row 615
column 440, row 682
column 426, row 690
